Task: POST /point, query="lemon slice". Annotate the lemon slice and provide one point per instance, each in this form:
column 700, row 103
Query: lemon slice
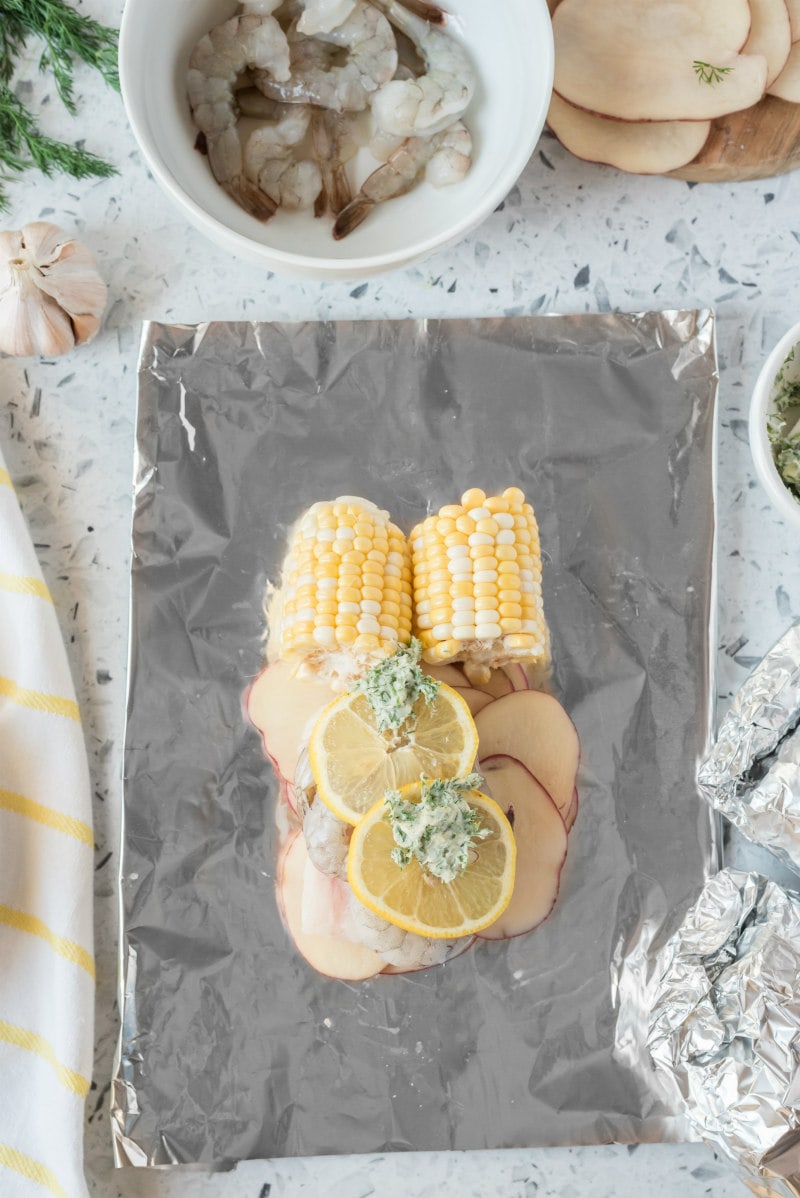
column 412, row 899
column 354, row 764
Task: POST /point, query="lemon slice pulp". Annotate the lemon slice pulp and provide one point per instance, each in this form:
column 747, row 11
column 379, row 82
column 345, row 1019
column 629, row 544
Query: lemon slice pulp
column 354, row 764
column 412, row 899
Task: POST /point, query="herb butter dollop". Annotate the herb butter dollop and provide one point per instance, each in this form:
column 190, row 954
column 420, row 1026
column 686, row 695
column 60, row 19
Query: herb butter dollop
column 440, row 829
column 393, row 686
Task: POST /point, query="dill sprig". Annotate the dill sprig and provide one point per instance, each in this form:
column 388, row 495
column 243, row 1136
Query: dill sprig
column 67, row 35
column 706, row 73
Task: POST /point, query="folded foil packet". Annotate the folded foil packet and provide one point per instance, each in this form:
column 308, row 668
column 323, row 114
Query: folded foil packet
column 724, row 1033
column 752, row 774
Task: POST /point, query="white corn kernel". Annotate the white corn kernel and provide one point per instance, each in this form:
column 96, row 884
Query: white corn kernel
column 487, row 632
column 463, row 577
column 307, row 614
column 393, row 571
column 505, row 537
column 305, row 580
column 343, row 533
column 486, row 576
column 443, row 632
column 423, row 621
column 504, row 519
column 464, row 632
column 351, row 608
column 370, row 607
column 530, row 625
column 457, row 551
column 480, row 538
column 388, row 634
column 423, row 607
column 526, row 575
column 460, row 565
column 326, row 534
column 479, row 513
column 396, row 559
column 464, row 603
column 368, row 624
column 324, row 635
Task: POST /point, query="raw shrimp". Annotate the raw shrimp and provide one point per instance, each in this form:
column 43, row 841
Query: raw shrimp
column 444, row 158
column 335, row 143
column 321, row 16
column 428, row 104
column 404, row 950
column 251, row 40
column 327, row 838
column 316, row 78
column 270, row 156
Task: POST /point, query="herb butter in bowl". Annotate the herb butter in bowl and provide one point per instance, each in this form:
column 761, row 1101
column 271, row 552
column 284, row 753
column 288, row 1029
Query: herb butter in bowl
column 775, row 426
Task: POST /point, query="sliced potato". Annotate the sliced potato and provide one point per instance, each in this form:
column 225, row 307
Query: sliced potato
column 794, row 18
column 283, row 707
column 770, row 35
column 787, row 85
column 641, row 147
column 534, row 728
column 635, row 61
column 541, row 838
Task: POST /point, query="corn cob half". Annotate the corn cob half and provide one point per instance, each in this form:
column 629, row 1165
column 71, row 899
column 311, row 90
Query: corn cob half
column 345, row 596
column 477, row 579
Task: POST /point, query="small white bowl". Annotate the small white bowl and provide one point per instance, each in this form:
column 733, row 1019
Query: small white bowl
column 512, row 48
column 760, row 407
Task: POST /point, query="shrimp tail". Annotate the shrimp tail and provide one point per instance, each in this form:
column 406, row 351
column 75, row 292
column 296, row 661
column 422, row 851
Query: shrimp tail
column 340, row 191
column 251, row 198
column 321, row 203
column 351, row 217
column 428, row 12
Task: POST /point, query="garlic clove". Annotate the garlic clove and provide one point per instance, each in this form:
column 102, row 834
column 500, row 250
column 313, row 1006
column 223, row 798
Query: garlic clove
column 51, row 294
column 33, row 323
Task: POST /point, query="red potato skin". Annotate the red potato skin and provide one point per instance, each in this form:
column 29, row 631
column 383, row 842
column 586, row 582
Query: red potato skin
column 500, row 757
column 572, row 811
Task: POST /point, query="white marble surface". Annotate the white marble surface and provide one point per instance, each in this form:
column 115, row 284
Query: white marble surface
column 569, row 238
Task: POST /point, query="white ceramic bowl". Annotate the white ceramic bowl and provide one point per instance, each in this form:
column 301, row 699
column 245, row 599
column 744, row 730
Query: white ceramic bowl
column 512, row 47
column 760, row 406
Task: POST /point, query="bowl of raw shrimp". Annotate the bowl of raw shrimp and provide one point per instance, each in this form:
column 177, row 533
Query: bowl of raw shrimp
column 336, row 138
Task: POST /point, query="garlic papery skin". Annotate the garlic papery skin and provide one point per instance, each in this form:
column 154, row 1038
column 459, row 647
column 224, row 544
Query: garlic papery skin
column 51, row 295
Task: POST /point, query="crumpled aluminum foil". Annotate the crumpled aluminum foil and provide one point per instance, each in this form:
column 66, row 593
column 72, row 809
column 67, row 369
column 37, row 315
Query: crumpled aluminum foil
column 724, row 1034
column 231, row 1047
column 756, row 787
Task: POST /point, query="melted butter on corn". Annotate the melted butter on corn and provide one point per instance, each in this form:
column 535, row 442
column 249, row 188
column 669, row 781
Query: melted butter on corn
column 477, row 584
column 345, row 599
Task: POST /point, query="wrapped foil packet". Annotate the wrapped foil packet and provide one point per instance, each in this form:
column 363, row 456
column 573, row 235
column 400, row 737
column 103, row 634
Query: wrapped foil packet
column 724, row 1031
column 752, row 775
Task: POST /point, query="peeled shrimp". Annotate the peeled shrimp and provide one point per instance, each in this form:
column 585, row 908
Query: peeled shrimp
column 444, row 158
column 405, row 950
column 321, row 16
column 335, row 143
column 428, row 104
column 247, row 41
column 270, row 158
column 316, row 78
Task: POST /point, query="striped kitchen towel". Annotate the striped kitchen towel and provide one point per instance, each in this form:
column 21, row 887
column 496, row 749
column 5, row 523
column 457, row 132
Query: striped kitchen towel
column 46, row 859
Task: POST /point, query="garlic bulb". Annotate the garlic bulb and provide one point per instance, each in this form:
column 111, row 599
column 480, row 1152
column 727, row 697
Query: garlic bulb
column 51, row 296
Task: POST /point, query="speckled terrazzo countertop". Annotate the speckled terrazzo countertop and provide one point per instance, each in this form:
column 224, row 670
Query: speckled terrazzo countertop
column 569, row 238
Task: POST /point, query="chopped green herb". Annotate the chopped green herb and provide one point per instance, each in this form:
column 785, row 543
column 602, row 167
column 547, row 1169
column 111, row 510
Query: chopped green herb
column 440, row 829
column 706, row 73
column 783, row 423
column 393, row 686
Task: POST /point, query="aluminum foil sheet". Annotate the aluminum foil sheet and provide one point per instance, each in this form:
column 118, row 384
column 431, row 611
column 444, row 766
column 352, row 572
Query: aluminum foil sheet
column 752, row 774
column 231, row 1046
column 725, row 1027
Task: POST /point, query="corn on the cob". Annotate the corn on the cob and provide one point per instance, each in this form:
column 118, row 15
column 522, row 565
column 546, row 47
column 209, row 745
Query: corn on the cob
column 477, row 579
column 345, row 598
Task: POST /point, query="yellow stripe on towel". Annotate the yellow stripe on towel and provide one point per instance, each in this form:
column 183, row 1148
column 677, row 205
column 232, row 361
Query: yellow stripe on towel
column 5, row 479
column 20, row 1037
column 24, row 922
column 20, row 584
column 39, row 700
column 68, row 824
column 28, row 1167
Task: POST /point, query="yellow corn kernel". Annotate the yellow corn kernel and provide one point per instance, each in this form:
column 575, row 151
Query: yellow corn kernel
column 488, row 525
column 508, row 624
column 345, row 634
column 486, row 603
column 473, row 498
column 505, row 553
column 326, row 607
column 520, row 640
column 484, row 588
column 514, row 495
column 346, row 619
column 510, row 609
column 465, row 524
column 367, row 641
column 496, row 503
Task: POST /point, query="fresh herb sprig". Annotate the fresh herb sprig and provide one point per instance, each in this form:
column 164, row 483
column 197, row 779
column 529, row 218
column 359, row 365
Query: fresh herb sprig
column 706, row 73
column 440, row 830
column 67, row 35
